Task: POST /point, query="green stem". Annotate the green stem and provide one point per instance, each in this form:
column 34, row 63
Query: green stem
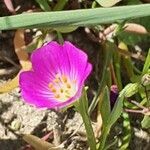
column 94, row 4
column 117, row 69
column 103, row 138
column 60, row 38
column 82, row 107
column 147, row 96
column 60, row 5
column 44, row 5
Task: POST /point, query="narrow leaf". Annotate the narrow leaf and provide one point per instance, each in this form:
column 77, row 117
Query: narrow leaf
column 77, row 18
column 135, row 28
column 127, row 60
column 20, row 47
column 116, row 112
column 44, row 5
column 9, row 6
column 60, row 5
column 105, row 106
column 147, row 63
column 10, row 85
column 38, row 143
column 82, row 107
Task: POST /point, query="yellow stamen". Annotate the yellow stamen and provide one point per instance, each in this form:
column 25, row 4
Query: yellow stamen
column 62, row 87
column 57, row 96
column 53, row 90
column 68, row 85
column 56, row 80
column 50, row 85
column 64, row 78
column 61, row 90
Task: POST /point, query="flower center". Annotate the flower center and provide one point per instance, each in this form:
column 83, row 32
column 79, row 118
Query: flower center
column 62, row 87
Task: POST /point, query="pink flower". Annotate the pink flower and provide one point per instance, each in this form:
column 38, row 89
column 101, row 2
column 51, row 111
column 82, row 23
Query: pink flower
column 58, row 76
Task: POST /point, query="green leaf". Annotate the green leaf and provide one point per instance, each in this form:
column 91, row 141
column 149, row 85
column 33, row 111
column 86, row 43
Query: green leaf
column 117, row 67
column 65, row 29
column 130, row 89
column 85, row 17
column 116, row 112
column 105, row 109
column 110, row 146
column 44, row 5
column 82, row 107
column 147, row 63
column 144, row 21
column 60, row 5
column 38, row 144
column 134, row 38
column 146, row 122
column 107, row 3
column 131, row 38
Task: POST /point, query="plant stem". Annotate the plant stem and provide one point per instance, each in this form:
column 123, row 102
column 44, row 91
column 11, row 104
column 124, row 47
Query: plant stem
column 134, row 111
column 147, row 97
column 104, row 137
column 82, row 107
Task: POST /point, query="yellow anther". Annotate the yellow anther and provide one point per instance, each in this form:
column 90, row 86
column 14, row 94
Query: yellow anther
column 53, row 90
column 50, row 85
column 61, row 90
column 56, row 80
column 57, row 96
column 64, row 78
column 68, row 85
column 62, row 87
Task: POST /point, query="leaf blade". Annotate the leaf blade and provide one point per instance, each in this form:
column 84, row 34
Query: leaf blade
column 80, row 17
column 147, row 63
column 105, row 106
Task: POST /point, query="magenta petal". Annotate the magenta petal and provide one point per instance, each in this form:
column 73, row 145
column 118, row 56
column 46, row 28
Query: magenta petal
column 54, row 58
column 77, row 60
column 53, row 63
column 35, row 91
column 86, row 74
column 50, row 60
column 87, row 71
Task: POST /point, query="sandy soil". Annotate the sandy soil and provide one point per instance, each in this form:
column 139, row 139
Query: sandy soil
column 18, row 118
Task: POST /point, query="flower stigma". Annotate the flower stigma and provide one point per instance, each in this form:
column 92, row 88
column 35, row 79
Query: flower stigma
column 62, row 87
